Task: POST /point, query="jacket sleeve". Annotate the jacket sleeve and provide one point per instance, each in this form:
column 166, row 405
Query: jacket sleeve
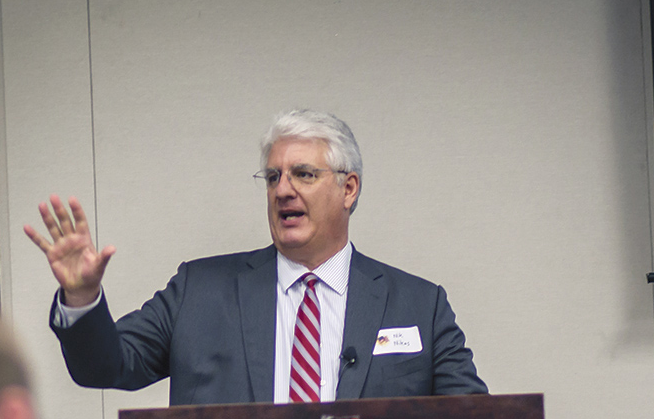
column 454, row 371
column 128, row 354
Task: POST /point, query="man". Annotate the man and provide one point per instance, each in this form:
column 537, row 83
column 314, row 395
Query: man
column 15, row 396
column 306, row 319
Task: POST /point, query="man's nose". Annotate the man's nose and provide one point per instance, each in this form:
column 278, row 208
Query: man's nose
column 285, row 188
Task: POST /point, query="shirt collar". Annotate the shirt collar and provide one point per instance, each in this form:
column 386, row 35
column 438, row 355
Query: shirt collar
column 335, row 271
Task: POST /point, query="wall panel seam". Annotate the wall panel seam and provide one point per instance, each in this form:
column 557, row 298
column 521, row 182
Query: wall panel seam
column 93, row 153
column 5, row 236
column 648, row 96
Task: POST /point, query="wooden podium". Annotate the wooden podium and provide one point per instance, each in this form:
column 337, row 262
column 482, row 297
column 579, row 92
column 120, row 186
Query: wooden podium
column 523, row 406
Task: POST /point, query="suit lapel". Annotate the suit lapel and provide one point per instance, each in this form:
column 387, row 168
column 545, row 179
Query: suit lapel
column 366, row 303
column 257, row 290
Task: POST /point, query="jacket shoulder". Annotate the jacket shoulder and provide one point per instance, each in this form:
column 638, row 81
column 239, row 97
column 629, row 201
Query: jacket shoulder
column 253, row 258
column 394, row 276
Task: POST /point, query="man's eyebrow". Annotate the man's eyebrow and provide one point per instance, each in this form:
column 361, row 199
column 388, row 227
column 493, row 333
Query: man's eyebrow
column 295, row 166
column 303, row 166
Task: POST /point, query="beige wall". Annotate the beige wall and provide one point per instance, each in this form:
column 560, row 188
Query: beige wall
column 504, row 145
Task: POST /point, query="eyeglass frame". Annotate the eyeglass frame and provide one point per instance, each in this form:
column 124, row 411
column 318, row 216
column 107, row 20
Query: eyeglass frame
column 263, row 174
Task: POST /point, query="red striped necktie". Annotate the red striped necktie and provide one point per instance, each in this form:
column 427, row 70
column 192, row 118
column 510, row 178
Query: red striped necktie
column 305, row 356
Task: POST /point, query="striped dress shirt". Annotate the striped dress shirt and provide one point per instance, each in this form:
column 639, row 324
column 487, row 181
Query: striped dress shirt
column 332, row 295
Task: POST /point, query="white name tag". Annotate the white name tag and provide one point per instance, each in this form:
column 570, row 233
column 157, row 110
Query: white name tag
column 399, row 340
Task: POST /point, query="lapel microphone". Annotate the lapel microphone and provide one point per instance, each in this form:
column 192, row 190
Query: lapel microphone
column 348, row 358
column 349, row 355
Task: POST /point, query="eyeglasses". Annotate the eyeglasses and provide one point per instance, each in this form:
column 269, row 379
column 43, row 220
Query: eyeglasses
column 301, row 174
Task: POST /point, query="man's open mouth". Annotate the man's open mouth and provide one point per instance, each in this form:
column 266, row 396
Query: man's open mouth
column 290, row 215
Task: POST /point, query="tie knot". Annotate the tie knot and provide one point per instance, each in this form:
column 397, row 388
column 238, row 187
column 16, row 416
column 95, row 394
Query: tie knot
column 309, row 279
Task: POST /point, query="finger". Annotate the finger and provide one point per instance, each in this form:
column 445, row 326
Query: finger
column 37, row 239
column 81, row 224
column 105, row 256
column 62, row 215
column 51, row 224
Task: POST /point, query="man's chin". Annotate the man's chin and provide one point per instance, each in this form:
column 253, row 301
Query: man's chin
column 290, row 244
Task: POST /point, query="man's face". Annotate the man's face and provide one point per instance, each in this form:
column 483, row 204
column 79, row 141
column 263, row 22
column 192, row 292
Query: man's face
column 308, row 222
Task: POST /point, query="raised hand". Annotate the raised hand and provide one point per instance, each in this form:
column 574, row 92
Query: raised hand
column 76, row 264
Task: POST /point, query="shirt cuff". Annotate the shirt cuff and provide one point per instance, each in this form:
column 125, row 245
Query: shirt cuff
column 66, row 317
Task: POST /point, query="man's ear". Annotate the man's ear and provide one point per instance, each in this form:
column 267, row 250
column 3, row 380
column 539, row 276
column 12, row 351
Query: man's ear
column 352, row 186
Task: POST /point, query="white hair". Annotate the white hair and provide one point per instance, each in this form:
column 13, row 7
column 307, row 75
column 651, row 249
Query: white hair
column 343, row 151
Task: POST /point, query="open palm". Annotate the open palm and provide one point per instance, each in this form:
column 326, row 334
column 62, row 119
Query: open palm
column 73, row 258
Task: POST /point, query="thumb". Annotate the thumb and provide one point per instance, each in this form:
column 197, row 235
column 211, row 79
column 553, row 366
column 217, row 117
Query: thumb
column 103, row 259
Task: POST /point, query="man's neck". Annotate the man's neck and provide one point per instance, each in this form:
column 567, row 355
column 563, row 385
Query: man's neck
column 313, row 260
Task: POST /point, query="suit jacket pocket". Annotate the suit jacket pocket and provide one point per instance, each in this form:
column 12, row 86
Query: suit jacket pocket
column 406, row 367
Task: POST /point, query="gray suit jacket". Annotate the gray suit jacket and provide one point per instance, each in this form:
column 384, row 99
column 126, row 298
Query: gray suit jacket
column 212, row 330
